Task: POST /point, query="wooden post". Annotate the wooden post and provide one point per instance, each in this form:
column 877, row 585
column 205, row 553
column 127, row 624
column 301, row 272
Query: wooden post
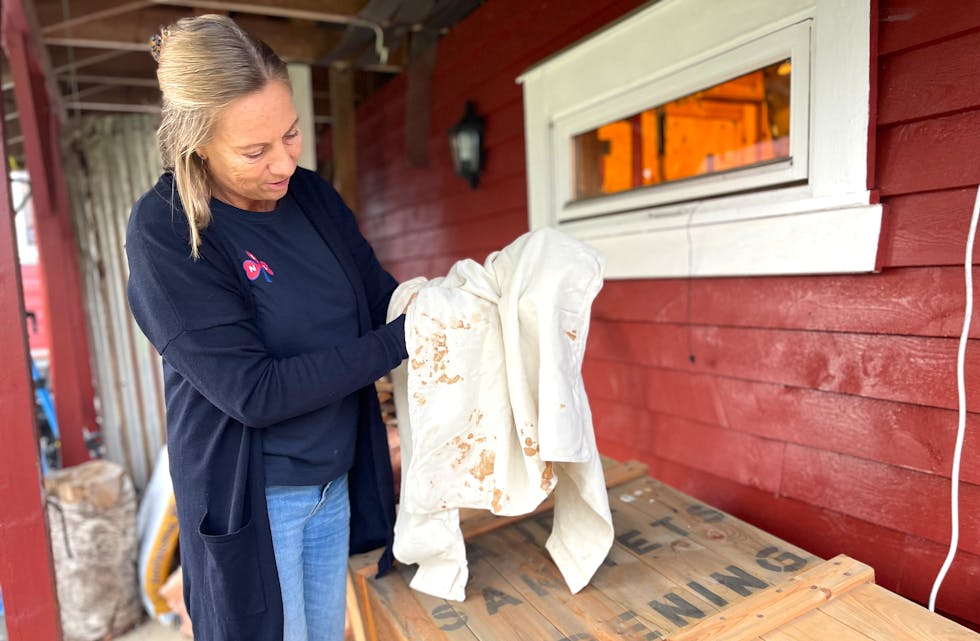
column 71, row 378
column 344, row 123
column 301, row 79
column 26, row 569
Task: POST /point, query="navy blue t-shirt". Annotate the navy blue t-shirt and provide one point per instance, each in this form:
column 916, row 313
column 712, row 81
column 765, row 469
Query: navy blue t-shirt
column 303, row 302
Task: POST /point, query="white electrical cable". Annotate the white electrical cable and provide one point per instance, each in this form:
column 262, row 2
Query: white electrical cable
column 961, row 397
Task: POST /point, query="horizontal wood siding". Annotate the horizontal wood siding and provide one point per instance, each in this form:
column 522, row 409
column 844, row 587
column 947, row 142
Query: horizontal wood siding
column 822, row 409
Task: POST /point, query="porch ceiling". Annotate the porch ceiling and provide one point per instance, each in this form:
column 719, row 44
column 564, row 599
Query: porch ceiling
column 98, row 55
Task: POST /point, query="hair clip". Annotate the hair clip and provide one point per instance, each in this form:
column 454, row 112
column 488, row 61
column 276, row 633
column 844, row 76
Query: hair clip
column 156, row 43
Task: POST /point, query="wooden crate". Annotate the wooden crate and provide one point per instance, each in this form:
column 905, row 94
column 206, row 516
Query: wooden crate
column 679, row 569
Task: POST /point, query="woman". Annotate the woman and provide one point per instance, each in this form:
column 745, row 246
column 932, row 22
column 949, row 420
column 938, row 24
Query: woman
column 250, row 278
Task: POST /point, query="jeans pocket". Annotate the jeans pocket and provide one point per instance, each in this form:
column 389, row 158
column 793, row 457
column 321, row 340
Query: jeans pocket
column 231, row 566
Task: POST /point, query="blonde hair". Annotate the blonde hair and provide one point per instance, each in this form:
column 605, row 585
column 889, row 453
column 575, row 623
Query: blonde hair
column 204, row 64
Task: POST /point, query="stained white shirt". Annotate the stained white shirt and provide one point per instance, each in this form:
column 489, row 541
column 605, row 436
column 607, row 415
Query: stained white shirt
column 492, row 408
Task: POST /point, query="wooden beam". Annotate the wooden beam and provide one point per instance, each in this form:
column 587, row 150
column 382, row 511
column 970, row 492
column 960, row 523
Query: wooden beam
column 293, row 41
column 130, row 99
column 81, row 62
column 54, row 20
column 114, row 107
column 301, row 80
column 95, row 43
column 26, row 567
column 118, row 81
column 70, row 376
column 42, row 57
column 117, row 93
column 344, row 126
column 91, row 90
column 131, row 64
column 341, row 13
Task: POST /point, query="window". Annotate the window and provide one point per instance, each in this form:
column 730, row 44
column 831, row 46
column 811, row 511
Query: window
column 20, row 194
column 742, row 122
column 704, row 138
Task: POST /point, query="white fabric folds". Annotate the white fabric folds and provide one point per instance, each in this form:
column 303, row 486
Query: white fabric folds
column 492, row 410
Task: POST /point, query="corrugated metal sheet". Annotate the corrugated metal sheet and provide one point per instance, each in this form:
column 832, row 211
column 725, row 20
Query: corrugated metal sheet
column 109, row 162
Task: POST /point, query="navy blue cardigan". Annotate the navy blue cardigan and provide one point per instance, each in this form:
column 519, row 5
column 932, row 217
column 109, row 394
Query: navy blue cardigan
column 223, row 388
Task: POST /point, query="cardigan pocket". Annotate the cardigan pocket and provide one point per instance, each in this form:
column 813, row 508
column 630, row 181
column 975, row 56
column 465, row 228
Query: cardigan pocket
column 232, row 569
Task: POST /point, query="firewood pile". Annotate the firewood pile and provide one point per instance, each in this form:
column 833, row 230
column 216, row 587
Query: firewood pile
column 386, row 398
column 91, row 509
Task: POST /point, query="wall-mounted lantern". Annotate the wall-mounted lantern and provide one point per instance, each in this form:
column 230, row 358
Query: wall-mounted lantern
column 466, row 145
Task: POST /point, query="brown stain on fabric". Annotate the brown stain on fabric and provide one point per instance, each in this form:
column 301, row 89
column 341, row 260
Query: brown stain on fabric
column 464, row 449
column 530, row 449
column 439, row 347
column 498, row 499
column 571, row 333
column 435, row 321
column 547, row 475
column 484, row 468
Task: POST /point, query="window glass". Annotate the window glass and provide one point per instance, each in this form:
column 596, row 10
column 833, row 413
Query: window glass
column 739, row 123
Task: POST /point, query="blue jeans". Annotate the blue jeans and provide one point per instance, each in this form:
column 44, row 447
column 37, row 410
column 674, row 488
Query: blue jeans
column 311, row 537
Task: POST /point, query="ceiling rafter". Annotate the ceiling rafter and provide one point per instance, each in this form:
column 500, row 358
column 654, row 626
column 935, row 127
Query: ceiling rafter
column 114, row 107
column 98, row 49
column 264, row 8
column 113, row 8
column 293, row 40
column 87, row 61
column 122, row 81
column 95, row 43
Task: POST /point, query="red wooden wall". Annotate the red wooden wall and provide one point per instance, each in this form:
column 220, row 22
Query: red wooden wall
column 820, row 408
column 34, row 301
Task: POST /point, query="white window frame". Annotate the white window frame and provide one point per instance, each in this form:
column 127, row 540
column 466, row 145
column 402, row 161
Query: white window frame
column 20, row 194
column 810, row 214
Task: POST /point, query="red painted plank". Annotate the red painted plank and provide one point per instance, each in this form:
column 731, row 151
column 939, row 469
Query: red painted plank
column 506, row 201
column 900, row 434
column 500, row 195
column 919, row 302
column 26, row 567
column 899, row 368
column 74, row 449
column 908, row 23
column 70, row 373
column 890, row 496
column 464, row 237
column 506, row 31
column 433, row 266
column 929, row 155
column 931, row 80
column 397, row 184
column 743, row 458
column 927, row 229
